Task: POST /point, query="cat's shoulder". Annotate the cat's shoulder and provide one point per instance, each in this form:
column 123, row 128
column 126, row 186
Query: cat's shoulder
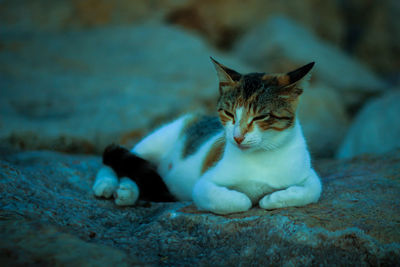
column 198, row 128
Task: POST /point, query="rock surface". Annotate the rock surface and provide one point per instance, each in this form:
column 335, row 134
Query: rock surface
column 223, row 21
column 280, row 44
column 60, row 15
column 356, row 222
column 78, row 91
column 376, row 129
column 323, row 119
column 373, row 38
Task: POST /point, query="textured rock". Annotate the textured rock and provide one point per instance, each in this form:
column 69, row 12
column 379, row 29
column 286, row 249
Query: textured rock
column 356, row 222
column 323, row 119
column 223, row 21
column 280, row 44
column 25, row 243
column 79, row 91
column 376, row 128
column 219, row 21
column 373, row 38
column 369, row 30
column 44, row 15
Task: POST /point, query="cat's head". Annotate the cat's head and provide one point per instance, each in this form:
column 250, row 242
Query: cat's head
column 258, row 110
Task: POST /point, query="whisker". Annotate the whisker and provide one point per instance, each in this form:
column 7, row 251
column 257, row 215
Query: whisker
column 269, row 146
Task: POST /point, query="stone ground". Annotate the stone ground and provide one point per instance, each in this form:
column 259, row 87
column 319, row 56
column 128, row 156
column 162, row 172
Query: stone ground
column 49, row 216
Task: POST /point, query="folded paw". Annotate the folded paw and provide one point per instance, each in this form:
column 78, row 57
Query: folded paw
column 293, row 196
column 272, row 201
column 127, row 192
column 218, row 199
column 232, row 203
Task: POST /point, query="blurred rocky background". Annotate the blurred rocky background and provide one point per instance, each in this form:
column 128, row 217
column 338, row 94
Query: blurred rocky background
column 76, row 75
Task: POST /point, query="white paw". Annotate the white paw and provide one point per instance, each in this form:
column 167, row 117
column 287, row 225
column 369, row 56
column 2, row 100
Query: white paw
column 293, row 196
column 222, row 207
column 272, row 201
column 105, row 187
column 106, row 182
column 219, row 200
column 235, row 202
column 127, row 192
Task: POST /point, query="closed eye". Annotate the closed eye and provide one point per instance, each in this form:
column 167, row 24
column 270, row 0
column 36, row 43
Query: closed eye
column 261, row 117
column 227, row 113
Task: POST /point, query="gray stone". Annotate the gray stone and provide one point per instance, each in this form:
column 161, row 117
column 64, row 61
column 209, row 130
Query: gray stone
column 374, row 38
column 323, row 119
column 26, row 243
column 376, row 129
column 78, row 91
column 280, row 43
column 61, row 15
column 356, row 221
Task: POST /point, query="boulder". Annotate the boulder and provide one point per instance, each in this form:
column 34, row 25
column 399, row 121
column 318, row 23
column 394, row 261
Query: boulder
column 280, row 44
column 323, row 119
column 78, row 91
column 26, row 243
column 355, row 222
column 371, row 38
column 223, row 22
column 375, row 129
column 61, row 15
column 374, row 38
column 218, row 21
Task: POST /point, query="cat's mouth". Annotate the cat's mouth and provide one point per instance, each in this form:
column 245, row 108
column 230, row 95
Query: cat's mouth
column 243, row 147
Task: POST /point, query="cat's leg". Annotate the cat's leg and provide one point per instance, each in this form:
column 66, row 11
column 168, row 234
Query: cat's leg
column 218, row 199
column 106, row 182
column 151, row 148
column 127, row 192
column 297, row 195
column 154, row 146
column 142, row 173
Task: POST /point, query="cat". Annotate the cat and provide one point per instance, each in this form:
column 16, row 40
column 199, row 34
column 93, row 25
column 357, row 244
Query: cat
column 253, row 153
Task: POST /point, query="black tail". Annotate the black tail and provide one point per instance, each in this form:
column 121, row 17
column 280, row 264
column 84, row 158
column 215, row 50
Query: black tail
column 127, row 164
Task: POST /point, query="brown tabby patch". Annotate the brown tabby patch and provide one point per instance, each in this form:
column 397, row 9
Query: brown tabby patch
column 224, row 118
column 197, row 131
column 275, row 123
column 189, row 122
column 214, row 154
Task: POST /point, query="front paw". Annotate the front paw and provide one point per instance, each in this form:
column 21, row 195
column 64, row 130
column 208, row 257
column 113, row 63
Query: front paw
column 234, row 204
column 105, row 187
column 127, row 193
column 218, row 199
column 272, row 201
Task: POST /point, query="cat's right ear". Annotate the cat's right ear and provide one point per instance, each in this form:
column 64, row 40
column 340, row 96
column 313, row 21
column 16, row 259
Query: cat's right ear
column 228, row 78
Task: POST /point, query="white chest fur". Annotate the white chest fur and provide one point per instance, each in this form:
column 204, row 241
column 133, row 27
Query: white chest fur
column 275, row 178
column 259, row 173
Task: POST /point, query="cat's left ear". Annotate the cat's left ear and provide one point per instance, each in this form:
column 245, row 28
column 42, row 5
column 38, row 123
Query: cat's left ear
column 228, row 78
column 291, row 81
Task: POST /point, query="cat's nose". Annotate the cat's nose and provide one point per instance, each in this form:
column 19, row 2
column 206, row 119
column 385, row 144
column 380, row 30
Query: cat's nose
column 238, row 139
